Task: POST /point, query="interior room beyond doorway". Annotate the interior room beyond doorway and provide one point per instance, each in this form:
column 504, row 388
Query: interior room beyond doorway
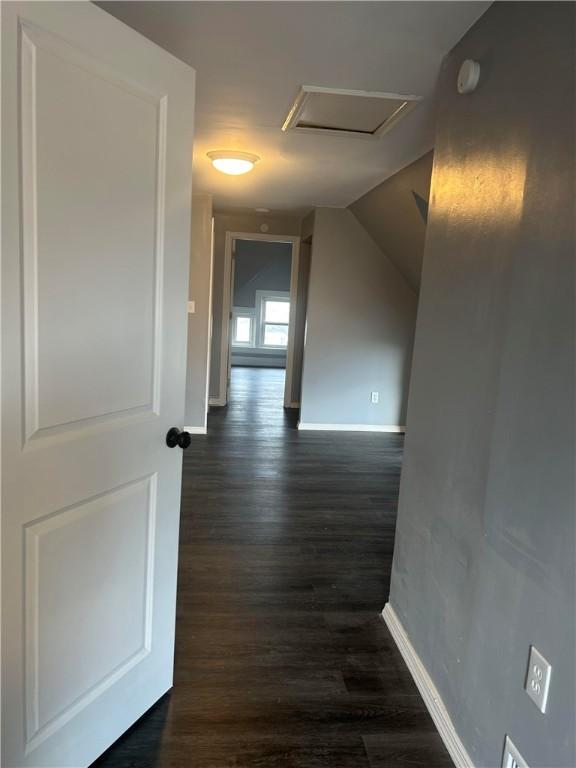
column 260, row 303
column 260, row 282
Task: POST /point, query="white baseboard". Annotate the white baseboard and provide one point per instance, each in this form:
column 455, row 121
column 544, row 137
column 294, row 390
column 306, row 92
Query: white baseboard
column 243, row 361
column 428, row 690
column 216, row 401
column 292, row 405
column 196, row 430
column 351, row 427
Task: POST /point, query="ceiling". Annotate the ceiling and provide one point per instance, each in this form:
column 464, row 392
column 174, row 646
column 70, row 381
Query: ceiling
column 251, row 59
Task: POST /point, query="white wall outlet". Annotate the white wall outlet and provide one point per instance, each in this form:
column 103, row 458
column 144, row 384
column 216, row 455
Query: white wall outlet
column 538, row 679
column 512, row 758
column 374, row 397
column 191, row 307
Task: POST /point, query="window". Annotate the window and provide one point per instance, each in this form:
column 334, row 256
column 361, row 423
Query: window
column 266, row 326
column 243, row 327
column 274, row 314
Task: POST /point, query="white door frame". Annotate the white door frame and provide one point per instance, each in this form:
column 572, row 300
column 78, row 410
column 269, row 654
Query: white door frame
column 294, row 240
column 209, row 344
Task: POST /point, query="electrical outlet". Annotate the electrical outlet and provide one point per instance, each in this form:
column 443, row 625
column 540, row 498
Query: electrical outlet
column 374, row 396
column 512, row 758
column 538, row 679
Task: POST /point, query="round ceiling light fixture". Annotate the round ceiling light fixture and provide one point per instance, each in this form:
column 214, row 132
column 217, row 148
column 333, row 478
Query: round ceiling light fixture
column 231, row 162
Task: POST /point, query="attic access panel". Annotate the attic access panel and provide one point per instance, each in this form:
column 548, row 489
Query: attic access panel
column 346, row 112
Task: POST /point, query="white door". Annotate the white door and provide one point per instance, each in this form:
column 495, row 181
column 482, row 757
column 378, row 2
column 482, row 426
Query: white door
column 96, row 192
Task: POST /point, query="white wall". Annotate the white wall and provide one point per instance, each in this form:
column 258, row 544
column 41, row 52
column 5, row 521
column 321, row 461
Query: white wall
column 360, row 326
column 199, row 321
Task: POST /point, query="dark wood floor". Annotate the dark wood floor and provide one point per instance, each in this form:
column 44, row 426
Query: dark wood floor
column 282, row 658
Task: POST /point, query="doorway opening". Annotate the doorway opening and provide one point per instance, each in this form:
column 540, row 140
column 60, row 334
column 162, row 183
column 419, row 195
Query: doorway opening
column 260, row 287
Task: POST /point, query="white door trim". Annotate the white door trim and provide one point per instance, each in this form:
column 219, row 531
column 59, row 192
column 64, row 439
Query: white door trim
column 222, row 398
column 209, row 343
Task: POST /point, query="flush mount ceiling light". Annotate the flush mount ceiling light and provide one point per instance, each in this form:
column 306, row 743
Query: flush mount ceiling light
column 343, row 112
column 231, row 162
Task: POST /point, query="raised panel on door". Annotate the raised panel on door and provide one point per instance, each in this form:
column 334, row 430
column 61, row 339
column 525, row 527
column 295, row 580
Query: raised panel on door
column 93, row 160
column 83, row 634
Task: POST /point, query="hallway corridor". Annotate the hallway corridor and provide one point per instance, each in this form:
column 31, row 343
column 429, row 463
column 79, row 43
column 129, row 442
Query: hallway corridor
column 282, row 658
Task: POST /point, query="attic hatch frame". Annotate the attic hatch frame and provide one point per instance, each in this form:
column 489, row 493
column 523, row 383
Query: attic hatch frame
column 306, row 91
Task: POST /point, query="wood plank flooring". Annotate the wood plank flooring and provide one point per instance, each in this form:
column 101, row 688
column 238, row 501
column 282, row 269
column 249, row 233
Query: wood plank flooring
column 282, row 658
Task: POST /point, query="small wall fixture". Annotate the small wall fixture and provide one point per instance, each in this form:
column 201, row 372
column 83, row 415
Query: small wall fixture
column 468, row 76
column 231, row 162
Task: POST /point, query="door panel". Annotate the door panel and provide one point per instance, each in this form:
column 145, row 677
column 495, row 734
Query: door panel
column 96, row 180
column 108, row 544
column 80, row 371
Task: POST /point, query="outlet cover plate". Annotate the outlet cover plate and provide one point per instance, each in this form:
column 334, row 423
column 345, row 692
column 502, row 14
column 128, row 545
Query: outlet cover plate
column 512, row 757
column 374, row 397
column 538, row 678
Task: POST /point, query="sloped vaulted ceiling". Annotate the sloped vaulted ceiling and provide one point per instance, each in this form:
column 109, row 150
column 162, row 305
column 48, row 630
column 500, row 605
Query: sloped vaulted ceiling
column 392, row 214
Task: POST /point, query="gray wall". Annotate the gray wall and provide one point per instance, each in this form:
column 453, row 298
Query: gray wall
column 260, row 266
column 307, row 226
column 300, row 321
column 225, row 222
column 360, row 326
column 484, row 557
column 391, row 216
column 199, row 321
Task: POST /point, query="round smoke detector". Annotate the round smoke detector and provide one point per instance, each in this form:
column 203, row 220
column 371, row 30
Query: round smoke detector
column 468, row 76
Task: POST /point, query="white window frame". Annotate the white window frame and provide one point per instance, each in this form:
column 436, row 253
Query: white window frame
column 244, row 312
column 261, row 298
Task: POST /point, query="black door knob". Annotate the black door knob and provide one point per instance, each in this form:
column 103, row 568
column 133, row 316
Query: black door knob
column 176, row 437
